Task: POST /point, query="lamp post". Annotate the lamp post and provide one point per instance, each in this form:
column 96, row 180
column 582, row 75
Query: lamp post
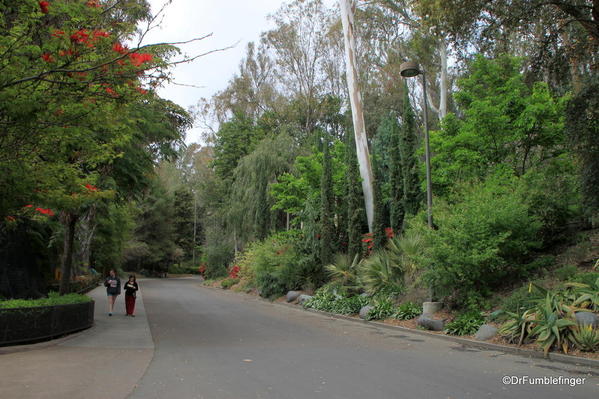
column 410, row 70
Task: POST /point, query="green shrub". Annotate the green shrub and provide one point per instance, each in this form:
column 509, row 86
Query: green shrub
column 381, row 310
column 52, row 300
column 522, row 298
column 345, row 270
column 216, row 258
column 481, row 240
column 273, row 265
column 228, row 283
column 407, row 311
column 381, row 275
column 323, row 299
column 465, row 324
column 565, row 272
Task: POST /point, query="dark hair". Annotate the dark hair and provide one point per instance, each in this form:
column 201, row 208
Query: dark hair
column 132, row 275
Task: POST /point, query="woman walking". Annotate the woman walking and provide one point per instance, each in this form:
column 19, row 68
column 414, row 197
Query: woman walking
column 131, row 288
column 113, row 289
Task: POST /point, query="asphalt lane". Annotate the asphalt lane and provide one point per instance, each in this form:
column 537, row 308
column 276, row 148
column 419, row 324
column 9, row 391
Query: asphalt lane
column 218, row 345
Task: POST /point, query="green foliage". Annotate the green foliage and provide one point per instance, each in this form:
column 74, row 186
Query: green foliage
column 517, row 328
column 390, row 128
column 549, row 327
column 327, row 224
column 53, row 299
column 522, row 298
column 355, row 209
column 216, row 258
column 331, row 298
column 273, row 265
column 380, row 275
column 407, row 311
column 466, row 323
column 506, row 125
column 228, row 283
column 380, row 220
column 408, row 144
column 345, row 270
column 481, row 240
column 587, row 278
column 583, row 130
column 382, row 309
column 565, row 272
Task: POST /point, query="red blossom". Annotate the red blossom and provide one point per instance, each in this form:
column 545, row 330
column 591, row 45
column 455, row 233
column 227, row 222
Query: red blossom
column 57, row 33
column 10, row 219
column 44, row 6
column 119, row 48
column 80, row 37
column 234, row 272
column 138, row 59
column 100, row 33
column 44, row 211
column 91, row 187
column 111, row 91
column 93, row 3
column 389, row 232
column 47, row 57
column 141, row 90
column 28, row 206
column 64, row 53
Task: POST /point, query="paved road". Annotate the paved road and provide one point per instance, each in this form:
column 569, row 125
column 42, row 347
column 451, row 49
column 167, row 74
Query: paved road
column 218, row 345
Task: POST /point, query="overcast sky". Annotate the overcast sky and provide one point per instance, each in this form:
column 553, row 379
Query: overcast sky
column 230, row 21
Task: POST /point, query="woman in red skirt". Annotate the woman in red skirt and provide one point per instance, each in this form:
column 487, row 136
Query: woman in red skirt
column 131, row 288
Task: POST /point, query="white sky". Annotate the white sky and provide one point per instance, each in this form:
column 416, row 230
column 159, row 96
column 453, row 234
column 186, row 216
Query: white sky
column 230, row 21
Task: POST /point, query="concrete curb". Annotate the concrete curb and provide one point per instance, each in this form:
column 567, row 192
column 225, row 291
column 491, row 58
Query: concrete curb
column 557, row 357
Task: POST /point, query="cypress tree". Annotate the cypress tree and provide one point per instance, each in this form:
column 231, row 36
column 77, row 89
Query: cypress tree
column 327, row 228
column 412, row 194
column 355, row 210
column 378, row 225
column 396, row 179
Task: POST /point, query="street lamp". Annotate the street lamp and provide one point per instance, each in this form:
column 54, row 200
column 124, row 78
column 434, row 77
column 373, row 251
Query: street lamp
column 409, row 70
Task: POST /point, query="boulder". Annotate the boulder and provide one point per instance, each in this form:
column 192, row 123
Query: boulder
column 364, row 311
column 303, row 299
column 430, row 324
column 293, row 295
column 587, row 318
column 485, row 332
column 431, row 307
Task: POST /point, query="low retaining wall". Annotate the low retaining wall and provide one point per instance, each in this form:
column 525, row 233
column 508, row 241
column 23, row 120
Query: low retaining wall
column 21, row 325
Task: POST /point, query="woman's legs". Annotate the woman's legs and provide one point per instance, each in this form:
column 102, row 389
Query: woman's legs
column 111, row 299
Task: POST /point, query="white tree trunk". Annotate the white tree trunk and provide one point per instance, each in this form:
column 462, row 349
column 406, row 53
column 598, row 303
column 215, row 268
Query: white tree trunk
column 443, row 84
column 347, row 19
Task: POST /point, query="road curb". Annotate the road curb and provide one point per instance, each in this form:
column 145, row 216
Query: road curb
column 555, row 357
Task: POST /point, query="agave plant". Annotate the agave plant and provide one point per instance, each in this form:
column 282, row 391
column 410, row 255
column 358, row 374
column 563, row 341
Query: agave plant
column 518, row 326
column 549, row 328
column 586, row 338
column 587, row 296
column 380, row 274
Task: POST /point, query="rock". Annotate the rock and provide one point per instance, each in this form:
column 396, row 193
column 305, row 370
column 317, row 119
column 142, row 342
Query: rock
column 485, row 332
column 587, row 318
column 364, row 311
column 430, row 324
column 430, row 308
column 293, row 295
column 303, row 299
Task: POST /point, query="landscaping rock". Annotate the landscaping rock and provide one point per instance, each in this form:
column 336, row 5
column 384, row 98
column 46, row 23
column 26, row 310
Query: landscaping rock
column 485, row 332
column 293, row 295
column 364, row 311
column 430, row 324
column 303, row 299
column 429, row 308
column 587, row 318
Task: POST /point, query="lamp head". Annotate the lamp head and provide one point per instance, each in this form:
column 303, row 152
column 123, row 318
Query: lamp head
column 409, row 69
